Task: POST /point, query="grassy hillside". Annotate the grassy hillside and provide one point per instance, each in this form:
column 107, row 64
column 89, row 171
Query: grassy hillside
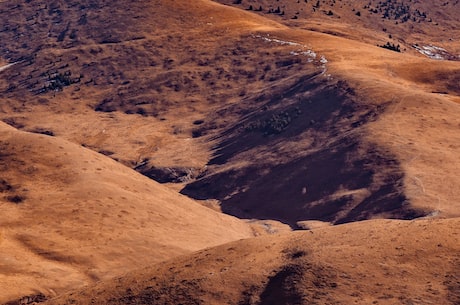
column 306, row 120
column 71, row 216
column 404, row 23
column 398, row 263
column 253, row 93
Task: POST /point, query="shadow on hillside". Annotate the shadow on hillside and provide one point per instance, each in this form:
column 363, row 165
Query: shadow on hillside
column 281, row 288
column 337, row 176
column 291, row 284
column 452, row 283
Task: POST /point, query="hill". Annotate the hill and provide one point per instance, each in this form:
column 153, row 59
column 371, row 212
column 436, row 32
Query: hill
column 409, row 24
column 383, row 118
column 318, row 120
column 71, row 216
column 399, row 262
column 212, row 74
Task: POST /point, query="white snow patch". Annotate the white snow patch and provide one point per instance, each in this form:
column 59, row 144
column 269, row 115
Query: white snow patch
column 309, row 53
column 304, row 51
column 434, row 48
column 431, row 51
column 434, row 52
column 281, row 42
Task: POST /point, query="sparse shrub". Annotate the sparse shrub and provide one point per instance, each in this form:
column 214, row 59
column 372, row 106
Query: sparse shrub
column 297, row 254
column 15, row 198
column 196, row 133
column 141, row 111
column 43, row 131
column 5, row 186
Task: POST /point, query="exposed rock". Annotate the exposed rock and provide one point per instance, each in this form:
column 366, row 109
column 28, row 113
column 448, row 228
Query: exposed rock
column 168, row 174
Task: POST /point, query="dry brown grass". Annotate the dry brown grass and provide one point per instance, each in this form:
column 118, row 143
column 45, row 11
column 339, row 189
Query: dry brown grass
column 85, row 217
column 193, row 85
column 374, row 262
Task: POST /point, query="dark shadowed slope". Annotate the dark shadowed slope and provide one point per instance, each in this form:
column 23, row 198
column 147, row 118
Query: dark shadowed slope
column 301, row 155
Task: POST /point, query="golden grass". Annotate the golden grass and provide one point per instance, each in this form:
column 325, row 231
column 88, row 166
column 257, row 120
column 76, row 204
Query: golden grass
column 85, row 218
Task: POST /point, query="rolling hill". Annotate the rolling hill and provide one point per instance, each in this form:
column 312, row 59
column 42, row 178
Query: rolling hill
column 302, row 113
column 71, row 216
column 377, row 262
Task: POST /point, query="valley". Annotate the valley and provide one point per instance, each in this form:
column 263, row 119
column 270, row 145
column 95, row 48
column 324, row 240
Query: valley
column 229, row 152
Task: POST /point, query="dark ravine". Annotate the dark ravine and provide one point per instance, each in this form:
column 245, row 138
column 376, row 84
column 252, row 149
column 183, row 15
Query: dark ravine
column 163, row 174
column 338, row 176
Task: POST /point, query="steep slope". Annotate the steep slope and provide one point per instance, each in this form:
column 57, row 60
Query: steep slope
column 344, row 151
column 299, row 119
column 165, row 64
column 381, row 144
column 71, row 217
column 420, row 124
column 305, row 156
column 294, row 120
column 372, row 262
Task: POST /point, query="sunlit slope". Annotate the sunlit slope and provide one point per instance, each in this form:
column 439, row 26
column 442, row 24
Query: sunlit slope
column 277, row 120
column 379, row 261
column 160, row 65
column 216, row 72
column 179, row 85
column 416, row 26
column 71, row 216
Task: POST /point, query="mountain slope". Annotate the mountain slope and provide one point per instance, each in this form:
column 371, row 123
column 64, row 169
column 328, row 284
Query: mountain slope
column 372, row 262
column 71, row 216
column 224, row 93
column 409, row 24
column 294, row 120
column 395, row 111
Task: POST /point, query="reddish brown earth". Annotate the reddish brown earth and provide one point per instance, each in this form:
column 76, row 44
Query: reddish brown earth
column 376, row 262
column 282, row 122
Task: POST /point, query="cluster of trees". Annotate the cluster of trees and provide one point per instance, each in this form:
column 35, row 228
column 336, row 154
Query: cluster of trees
column 392, row 9
column 251, row 8
column 275, row 123
column 389, row 9
column 391, row 46
column 57, row 81
column 260, row 9
column 276, row 11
